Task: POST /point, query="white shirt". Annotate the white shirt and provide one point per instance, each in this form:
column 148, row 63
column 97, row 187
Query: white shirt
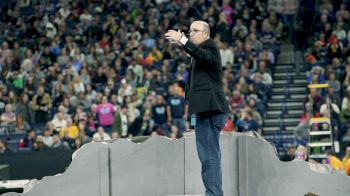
column 99, row 137
column 58, row 124
column 48, row 141
column 267, row 79
column 226, row 56
column 85, row 17
column 124, row 121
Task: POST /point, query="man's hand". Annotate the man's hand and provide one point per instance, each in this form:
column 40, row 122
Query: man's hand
column 173, row 36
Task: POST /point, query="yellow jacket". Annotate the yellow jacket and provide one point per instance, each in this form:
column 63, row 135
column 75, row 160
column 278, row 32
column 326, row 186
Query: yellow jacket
column 335, row 163
column 73, row 131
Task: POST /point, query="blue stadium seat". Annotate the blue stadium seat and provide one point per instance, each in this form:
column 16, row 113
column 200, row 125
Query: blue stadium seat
column 17, row 135
column 24, row 150
column 13, row 145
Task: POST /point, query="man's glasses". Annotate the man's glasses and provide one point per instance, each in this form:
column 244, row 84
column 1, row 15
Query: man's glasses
column 194, row 31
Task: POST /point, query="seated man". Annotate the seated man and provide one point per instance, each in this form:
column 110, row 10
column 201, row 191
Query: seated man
column 247, row 123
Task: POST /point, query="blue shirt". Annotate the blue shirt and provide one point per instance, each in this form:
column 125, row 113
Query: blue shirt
column 247, row 125
column 177, row 106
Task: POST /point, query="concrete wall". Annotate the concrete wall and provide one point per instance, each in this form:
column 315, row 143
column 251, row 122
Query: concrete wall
column 159, row 167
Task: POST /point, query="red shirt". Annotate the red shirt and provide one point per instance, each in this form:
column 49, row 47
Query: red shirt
column 229, row 126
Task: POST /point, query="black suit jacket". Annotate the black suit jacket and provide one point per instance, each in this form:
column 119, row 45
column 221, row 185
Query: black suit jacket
column 204, row 88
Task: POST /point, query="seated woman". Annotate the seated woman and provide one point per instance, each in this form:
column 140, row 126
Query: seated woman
column 21, row 125
column 8, row 118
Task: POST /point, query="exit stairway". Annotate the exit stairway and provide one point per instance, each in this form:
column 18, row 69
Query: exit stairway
column 289, row 89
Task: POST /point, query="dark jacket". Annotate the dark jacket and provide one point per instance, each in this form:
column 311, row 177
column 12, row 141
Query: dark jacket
column 204, row 88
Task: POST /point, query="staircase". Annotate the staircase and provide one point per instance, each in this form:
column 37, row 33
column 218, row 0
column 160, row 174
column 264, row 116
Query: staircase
column 286, row 104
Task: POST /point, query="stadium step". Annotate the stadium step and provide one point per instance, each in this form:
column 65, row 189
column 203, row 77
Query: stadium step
column 286, row 116
column 288, row 104
column 284, row 74
column 285, row 81
column 283, row 67
column 296, row 77
column 291, row 89
column 290, row 85
column 294, row 96
column 278, row 112
column 289, row 100
column 274, row 129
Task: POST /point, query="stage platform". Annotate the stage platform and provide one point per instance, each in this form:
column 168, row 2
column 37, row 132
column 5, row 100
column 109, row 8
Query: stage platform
column 163, row 167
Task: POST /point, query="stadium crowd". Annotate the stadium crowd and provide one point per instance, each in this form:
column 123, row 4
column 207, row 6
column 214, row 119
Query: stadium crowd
column 328, row 61
column 76, row 71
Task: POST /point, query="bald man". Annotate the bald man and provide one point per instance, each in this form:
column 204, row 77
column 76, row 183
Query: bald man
column 206, row 99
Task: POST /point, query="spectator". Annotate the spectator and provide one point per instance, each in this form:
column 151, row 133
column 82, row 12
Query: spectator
column 340, row 33
column 28, row 141
column 78, row 85
column 41, row 104
column 58, row 143
column 100, row 135
column 301, row 153
column 105, row 112
column 290, row 154
column 332, row 112
column 222, row 27
column 290, row 9
column 132, row 103
column 47, row 138
column 71, row 130
column 8, row 117
column 181, row 74
column 24, row 109
column 345, row 114
column 239, row 26
column 345, row 100
column 333, row 161
column 120, row 124
column 262, row 89
column 334, row 48
column 3, row 148
column 80, row 116
column 59, row 122
column 115, row 135
column 159, row 114
column 39, row 144
column 141, row 126
column 21, row 125
column 257, row 106
column 333, row 96
column 247, row 123
column 176, row 109
column 273, row 23
column 3, row 102
column 301, row 131
column 316, row 76
column 226, row 54
column 266, row 76
column 313, row 100
column 237, row 101
column 346, row 81
column 346, row 161
column 77, row 144
column 334, row 83
column 229, row 126
column 63, row 58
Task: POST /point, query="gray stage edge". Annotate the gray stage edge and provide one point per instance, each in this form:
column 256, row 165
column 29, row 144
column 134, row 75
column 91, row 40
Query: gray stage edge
column 160, row 167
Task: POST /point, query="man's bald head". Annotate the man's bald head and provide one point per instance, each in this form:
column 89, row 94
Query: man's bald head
column 204, row 25
column 199, row 32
